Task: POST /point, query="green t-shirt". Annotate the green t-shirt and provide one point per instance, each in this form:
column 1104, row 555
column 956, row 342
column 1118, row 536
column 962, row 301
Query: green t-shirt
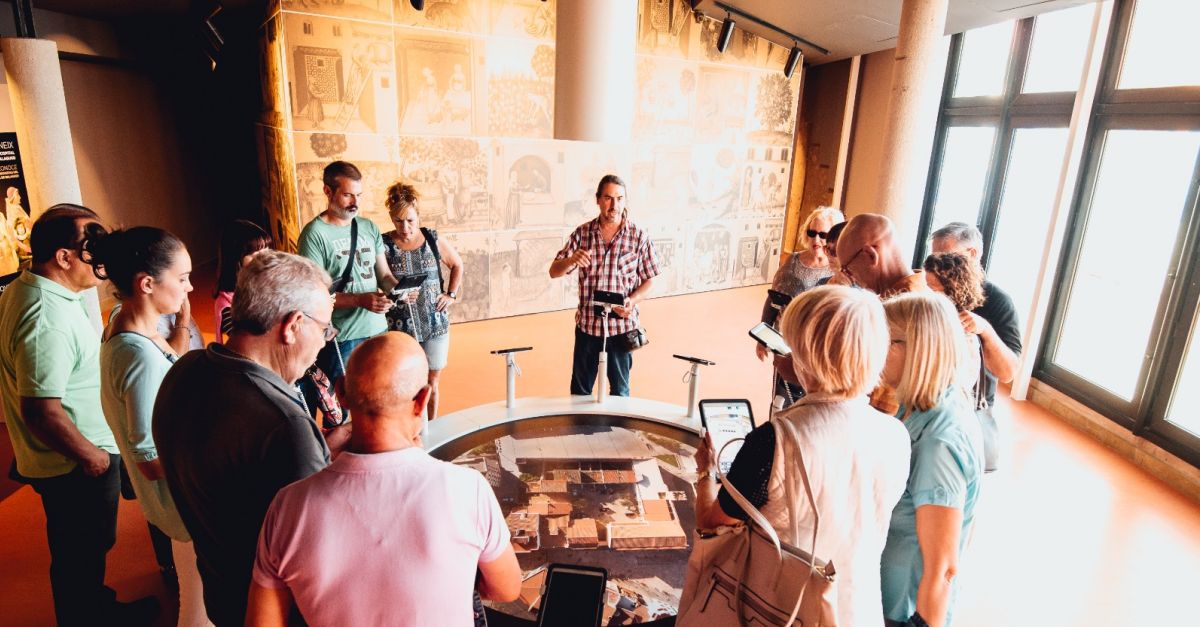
column 49, row 349
column 329, row 246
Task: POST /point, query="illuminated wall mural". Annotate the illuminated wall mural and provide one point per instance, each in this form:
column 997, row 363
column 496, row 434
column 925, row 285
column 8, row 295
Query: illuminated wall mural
column 459, row 101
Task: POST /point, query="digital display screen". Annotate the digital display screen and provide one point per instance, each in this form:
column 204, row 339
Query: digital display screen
column 770, row 338
column 573, row 598
column 726, row 420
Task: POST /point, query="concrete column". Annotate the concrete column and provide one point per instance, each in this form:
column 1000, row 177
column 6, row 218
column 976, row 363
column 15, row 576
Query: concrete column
column 39, row 105
column 912, row 115
column 595, row 77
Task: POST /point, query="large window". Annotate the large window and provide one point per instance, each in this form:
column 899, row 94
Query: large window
column 1120, row 334
column 1002, row 138
column 1123, row 332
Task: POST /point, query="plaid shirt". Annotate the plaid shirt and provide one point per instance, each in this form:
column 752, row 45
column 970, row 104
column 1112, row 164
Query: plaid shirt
column 628, row 261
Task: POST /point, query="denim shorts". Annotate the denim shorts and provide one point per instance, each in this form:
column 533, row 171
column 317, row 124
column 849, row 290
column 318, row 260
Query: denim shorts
column 437, row 350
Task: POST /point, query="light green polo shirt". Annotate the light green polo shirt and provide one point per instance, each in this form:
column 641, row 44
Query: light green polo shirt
column 329, row 246
column 49, row 349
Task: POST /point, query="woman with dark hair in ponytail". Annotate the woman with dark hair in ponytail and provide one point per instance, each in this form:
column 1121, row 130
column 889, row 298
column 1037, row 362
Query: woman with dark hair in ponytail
column 151, row 271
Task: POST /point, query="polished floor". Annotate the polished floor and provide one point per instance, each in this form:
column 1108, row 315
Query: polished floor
column 1069, row 534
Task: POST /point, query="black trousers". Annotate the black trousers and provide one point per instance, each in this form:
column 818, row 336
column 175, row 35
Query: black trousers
column 81, row 526
column 586, row 362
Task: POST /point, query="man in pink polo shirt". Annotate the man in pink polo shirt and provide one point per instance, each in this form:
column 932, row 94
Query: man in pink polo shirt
column 385, row 535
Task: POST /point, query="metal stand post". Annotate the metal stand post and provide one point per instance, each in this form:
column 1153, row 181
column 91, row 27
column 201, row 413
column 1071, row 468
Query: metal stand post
column 692, row 376
column 693, row 389
column 602, row 368
column 511, row 372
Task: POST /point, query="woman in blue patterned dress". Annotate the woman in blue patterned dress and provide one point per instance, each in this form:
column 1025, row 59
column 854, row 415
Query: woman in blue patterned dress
column 422, row 312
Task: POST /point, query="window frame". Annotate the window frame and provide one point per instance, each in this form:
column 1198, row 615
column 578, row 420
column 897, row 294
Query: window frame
column 1165, row 108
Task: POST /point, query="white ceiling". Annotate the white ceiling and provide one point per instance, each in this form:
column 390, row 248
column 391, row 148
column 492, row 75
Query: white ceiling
column 852, row 27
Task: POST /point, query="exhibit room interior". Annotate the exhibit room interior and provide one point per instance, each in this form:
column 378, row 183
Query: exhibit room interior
column 1067, row 131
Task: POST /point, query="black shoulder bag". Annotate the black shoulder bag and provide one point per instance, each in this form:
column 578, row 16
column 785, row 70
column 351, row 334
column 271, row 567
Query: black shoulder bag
column 339, row 284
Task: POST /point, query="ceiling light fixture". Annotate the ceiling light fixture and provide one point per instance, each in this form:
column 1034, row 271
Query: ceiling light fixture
column 725, row 35
column 789, row 67
column 727, row 28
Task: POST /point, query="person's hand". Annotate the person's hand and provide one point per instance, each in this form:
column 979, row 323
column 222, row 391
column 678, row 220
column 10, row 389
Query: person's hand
column 972, row 323
column 786, row 369
column 444, row 301
column 96, row 462
column 184, row 317
column 376, row 302
column 412, row 296
column 705, row 456
column 761, row 351
column 624, row 311
column 581, row 258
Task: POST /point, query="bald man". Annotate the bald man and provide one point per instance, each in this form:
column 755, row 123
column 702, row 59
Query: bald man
column 385, row 535
column 871, row 258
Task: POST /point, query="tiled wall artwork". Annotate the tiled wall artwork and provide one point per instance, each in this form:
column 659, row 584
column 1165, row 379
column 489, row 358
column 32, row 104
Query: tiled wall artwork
column 458, row 100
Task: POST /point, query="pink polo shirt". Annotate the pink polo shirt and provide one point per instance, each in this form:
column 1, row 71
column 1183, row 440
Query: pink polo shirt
column 385, row 539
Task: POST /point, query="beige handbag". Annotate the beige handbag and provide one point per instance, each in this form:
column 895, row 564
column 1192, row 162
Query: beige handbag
column 743, row 575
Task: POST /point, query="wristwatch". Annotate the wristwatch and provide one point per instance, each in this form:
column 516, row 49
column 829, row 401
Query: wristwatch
column 452, row 294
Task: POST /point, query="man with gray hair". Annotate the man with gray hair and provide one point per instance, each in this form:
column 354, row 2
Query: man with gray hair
column 230, row 425
column 996, row 324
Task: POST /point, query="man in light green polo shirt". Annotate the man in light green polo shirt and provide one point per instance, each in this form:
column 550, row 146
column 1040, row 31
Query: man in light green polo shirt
column 50, row 385
column 360, row 303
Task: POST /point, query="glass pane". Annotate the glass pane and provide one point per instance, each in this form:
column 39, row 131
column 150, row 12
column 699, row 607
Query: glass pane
column 1127, row 245
column 1163, row 46
column 1034, row 165
column 965, row 161
column 983, row 61
column 1059, row 44
column 1185, row 403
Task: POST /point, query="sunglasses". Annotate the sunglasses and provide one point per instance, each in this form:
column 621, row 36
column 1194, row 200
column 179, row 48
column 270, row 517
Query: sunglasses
column 822, row 234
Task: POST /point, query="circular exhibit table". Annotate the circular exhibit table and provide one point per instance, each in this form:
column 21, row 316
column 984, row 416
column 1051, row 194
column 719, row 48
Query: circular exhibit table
column 579, row 482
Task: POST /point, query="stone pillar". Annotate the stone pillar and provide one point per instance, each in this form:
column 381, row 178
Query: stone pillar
column 912, row 115
column 39, row 105
column 595, row 79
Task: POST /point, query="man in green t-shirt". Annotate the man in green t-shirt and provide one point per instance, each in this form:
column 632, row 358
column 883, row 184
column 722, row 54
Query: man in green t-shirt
column 50, row 385
column 360, row 303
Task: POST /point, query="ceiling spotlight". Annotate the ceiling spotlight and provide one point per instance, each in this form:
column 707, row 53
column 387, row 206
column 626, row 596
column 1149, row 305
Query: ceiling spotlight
column 725, row 35
column 793, row 60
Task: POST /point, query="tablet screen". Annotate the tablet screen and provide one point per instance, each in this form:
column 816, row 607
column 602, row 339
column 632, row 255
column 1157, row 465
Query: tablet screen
column 725, row 420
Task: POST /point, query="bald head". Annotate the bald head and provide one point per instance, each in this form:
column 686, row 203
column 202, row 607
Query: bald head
column 383, row 377
column 868, row 252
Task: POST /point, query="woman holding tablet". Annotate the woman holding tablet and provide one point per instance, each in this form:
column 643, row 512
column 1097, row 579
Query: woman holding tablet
column 422, row 312
column 855, row 457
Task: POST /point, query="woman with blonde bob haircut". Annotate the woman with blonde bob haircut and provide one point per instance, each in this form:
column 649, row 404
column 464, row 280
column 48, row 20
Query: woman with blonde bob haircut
column 930, row 524
column 856, row 458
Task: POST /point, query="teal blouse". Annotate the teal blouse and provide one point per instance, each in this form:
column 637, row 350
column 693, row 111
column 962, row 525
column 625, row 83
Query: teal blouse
column 131, row 369
column 945, row 470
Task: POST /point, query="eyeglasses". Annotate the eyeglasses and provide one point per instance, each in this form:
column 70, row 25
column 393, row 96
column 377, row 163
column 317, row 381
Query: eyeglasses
column 327, row 328
column 846, row 264
column 822, row 234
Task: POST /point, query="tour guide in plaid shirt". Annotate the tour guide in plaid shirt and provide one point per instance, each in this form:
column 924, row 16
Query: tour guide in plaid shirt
column 614, row 255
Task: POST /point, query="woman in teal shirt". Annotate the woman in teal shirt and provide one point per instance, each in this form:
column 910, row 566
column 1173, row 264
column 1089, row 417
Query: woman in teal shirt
column 931, row 523
column 151, row 271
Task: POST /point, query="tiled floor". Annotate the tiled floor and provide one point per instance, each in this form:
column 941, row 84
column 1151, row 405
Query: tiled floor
column 1069, row 534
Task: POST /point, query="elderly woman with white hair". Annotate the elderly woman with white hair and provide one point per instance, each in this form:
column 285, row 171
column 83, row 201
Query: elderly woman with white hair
column 856, row 458
column 803, row 270
column 931, row 523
